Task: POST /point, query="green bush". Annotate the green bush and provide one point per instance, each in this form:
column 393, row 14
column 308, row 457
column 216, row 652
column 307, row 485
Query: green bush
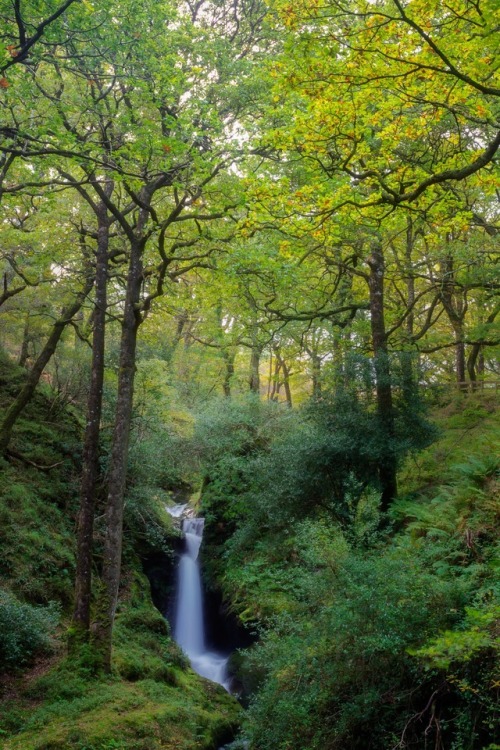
column 24, row 629
column 335, row 672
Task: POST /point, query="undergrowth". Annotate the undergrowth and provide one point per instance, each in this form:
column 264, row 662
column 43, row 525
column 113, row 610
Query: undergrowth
column 382, row 639
column 152, row 701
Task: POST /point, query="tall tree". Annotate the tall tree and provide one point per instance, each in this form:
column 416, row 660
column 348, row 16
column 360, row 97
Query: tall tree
column 91, row 445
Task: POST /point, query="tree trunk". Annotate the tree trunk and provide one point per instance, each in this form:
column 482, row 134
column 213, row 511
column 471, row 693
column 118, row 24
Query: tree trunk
column 108, row 597
column 286, row 376
column 476, row 355
column 23, row 354
column 460, row 356
column 254, row 378
column 256, row 348
column 90, row 468
column 286, row 383
column 275, row 378
column 480, row 363
column 315, row 374
column 456, row 309
column 26, row 394
column 171, row 348
column 387, row 467
column 471, row 364
column 229, row 371
column 407, row 370
column 270, row 379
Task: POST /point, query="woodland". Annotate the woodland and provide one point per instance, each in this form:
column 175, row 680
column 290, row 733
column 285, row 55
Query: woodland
column 249, row 262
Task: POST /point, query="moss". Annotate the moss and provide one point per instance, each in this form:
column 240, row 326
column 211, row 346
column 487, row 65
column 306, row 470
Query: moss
column 142, row 646
column 38, row 491
column 153, row 701
column 36, row 538
column 79, row 714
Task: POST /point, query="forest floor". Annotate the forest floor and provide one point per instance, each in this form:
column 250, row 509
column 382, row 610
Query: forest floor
column 152, row 701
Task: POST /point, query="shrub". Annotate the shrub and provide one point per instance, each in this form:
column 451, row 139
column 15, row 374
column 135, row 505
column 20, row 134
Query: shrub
column 335, row 672
column 24, row 629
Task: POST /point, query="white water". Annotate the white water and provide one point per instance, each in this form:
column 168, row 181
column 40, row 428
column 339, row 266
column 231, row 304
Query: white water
column 189, row 628
column 176, row 511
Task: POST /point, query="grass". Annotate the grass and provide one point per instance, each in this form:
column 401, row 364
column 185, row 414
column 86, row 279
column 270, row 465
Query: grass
column 469, row 426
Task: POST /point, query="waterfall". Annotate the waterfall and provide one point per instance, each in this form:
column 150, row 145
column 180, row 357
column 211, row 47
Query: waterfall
column 189, row 626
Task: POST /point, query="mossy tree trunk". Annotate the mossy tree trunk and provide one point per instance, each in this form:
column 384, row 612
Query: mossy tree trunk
column 90, row 463
column 228, row 357
column 254, row 375
column 315, row 374
column 24, row 352
column 408, row 375
column 108, row 596
column 454, row 301
column 475, row 361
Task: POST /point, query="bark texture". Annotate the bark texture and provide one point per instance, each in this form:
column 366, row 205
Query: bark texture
column 254, row 376
column 387, row 467
column 108, row 596
column 90, row 462
column 228, row 357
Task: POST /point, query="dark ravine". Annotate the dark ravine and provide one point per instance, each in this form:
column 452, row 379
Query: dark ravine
column 177, row 588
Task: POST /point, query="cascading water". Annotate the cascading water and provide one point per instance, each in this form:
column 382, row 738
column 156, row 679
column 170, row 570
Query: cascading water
column 189, row 627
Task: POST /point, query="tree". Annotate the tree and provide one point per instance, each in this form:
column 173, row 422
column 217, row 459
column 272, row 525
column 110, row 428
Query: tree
column 62, row 274
column 24, row 27
column 91, row 446
column 378, row 107
column 155, row 118
column 28, row 389
column 394, row 100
